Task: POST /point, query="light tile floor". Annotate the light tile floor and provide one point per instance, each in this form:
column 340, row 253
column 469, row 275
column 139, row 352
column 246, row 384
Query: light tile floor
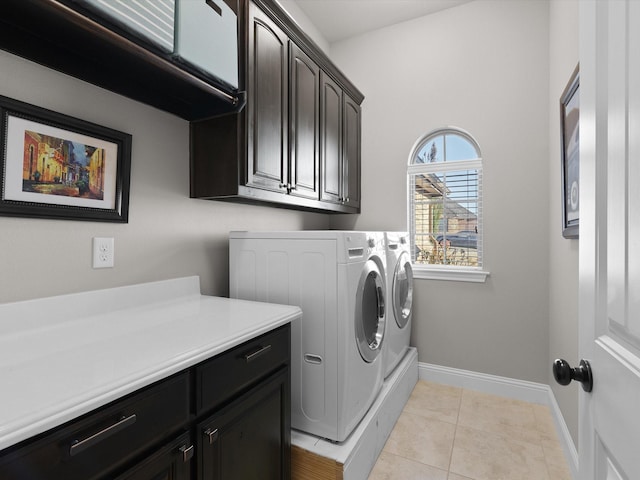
column 449, row 433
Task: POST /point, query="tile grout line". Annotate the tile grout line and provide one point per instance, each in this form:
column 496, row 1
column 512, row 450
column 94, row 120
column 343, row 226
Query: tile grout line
column 455, row 432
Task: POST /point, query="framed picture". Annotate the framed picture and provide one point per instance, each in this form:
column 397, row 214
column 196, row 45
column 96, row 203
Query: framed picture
column 56, row 166
column 570, row 153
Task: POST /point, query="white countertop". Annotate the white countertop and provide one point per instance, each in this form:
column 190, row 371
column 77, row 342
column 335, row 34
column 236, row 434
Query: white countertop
column 61, row 357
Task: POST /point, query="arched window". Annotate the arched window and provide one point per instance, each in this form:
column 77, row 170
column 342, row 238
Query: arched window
column 445, row 201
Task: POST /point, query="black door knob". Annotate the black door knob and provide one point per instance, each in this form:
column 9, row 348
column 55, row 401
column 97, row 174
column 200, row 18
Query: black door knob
column 563, row 373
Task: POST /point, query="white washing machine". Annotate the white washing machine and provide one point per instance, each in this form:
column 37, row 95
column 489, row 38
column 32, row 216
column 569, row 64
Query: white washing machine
column 338, row 279
column 399, row 297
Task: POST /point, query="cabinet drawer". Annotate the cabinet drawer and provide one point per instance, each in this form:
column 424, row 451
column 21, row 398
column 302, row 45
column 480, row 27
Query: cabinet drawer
column 222, row 377
column 93, row 445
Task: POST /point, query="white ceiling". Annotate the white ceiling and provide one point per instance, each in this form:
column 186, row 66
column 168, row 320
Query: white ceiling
column 340, row 19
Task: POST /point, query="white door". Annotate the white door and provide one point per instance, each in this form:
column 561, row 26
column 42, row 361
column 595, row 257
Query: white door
column 609, row 443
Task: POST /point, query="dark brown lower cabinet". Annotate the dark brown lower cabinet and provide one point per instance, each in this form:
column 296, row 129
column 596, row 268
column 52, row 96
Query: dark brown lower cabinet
column 228, row 417
column 250, row 439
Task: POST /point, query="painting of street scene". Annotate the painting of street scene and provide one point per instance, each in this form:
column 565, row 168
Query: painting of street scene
column 55, row 166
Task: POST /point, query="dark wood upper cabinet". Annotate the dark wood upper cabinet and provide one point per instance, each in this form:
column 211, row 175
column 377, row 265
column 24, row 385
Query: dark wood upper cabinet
column 351, row 145
column 304, row 148
column 288, row 146
column 268, row 82
column 340, row 135
column 331, row 120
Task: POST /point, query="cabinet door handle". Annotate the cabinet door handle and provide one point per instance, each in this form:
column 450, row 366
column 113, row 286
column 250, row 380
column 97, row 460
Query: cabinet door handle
column 212, row 435
column 81, row 445
column 250, row 357
column 215, row 7
column 187, row 452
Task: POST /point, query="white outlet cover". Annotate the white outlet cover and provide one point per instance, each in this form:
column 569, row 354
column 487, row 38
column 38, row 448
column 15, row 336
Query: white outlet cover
column 103, row 252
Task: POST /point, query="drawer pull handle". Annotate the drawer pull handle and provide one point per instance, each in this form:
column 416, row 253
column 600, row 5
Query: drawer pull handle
column 215, row 7
column 212, row 434
column 250, row 357
column 81, row 445
column 187, row 453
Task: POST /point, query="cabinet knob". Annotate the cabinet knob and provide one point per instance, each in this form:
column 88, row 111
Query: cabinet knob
column 287, row 186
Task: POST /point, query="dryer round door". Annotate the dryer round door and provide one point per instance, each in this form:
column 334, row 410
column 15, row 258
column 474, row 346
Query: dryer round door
column 402, row 290
column 370, row 312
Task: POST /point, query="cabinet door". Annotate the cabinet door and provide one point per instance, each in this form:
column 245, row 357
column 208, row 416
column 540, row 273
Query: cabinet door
column 351, row 152
column 267, row 103
column 251, row 438
column 171, row 462
column 304, row 152
column 331, row 139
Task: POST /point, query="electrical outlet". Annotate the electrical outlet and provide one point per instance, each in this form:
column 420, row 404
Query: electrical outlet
column 103, row 254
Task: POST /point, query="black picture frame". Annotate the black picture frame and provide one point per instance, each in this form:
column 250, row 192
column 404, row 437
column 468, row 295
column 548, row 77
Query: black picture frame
column 570, row 155
column 59, row 167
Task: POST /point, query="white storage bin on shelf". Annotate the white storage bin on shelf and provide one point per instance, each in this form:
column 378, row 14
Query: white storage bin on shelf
column 197, row 33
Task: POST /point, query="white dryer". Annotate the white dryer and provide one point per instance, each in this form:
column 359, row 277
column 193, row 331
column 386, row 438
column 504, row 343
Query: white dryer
column 400, row 298
column 338, row 279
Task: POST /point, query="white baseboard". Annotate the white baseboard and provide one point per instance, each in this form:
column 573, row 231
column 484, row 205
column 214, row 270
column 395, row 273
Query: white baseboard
column 503, row 386
column 506, row 387
column 568, row 446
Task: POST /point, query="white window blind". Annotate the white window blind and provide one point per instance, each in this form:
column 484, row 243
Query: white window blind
column 445, row 201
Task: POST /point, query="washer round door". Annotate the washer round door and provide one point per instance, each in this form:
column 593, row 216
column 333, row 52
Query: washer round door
column 402, row 290
column 370, row 312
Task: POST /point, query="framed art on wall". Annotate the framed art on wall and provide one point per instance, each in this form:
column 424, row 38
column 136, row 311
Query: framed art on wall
column 570, row 155
column 57, row 166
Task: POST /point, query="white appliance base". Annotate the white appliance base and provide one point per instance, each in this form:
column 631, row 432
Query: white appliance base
column 359, row 452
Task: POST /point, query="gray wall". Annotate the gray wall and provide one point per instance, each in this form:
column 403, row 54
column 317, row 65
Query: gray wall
column 301, row 18
column 483, row 67
column 563, row 254
column 168, row 235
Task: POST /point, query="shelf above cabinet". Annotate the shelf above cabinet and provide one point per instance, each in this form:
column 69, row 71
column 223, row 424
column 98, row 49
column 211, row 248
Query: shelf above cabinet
column 54, row 35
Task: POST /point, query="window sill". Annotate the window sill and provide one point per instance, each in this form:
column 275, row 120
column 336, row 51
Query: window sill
column 456, row 274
